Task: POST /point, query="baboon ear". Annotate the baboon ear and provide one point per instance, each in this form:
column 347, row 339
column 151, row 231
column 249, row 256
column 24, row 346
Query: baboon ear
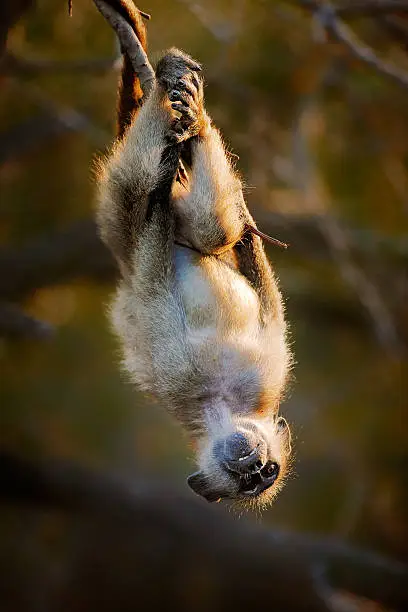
column 200, row 485
column 283, row 428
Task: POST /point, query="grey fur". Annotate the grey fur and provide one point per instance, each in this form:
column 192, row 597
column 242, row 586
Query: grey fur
column 203, row 327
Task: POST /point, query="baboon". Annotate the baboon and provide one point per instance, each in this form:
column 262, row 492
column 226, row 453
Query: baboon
column 198, row 308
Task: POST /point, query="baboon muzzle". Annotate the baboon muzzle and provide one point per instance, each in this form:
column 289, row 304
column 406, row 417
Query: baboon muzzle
column 244, row 454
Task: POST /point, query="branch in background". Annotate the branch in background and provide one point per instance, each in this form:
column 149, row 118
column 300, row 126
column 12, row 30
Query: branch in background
column 53, row 121
column 397, row 28
column 12, row 64
column 35, row 131
column 360, row 8
column 367, row 292
column 326, row 16
column 67, row 116
column 54, row 259
column 163, row 528
column 15, row 324
column 371, row 8
column 304, row 234
column 77, row 251
column 222, row 31
column 10, row 13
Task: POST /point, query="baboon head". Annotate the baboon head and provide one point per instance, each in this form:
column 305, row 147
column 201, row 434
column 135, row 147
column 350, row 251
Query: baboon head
column 246, row 464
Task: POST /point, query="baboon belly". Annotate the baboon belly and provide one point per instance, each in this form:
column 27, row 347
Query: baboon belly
column 214, row 295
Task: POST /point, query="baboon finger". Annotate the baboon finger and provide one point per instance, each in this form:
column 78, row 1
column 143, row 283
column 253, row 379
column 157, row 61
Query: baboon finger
column 187, row 115
column 192, row 64
column 180, row 100
column 176, row 95
column 184, row 85
column 196, row 81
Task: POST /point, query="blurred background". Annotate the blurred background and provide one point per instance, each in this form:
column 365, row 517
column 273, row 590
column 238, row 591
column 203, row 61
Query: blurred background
column 323, row 144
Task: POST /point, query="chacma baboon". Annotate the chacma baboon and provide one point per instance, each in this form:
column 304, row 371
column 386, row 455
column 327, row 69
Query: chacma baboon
column 198, row 308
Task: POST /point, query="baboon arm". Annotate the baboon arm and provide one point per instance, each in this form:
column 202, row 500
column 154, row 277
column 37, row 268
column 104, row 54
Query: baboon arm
column 212, row 213
column 131, row 173
column 254, row 265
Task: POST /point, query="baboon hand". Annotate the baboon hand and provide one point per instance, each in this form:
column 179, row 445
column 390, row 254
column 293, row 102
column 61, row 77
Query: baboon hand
column 177, row 76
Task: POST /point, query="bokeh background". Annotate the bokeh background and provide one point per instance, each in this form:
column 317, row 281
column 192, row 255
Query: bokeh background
column 323, row 146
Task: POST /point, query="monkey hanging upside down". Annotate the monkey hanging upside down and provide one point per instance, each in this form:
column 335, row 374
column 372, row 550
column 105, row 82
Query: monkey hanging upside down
column 198, row 308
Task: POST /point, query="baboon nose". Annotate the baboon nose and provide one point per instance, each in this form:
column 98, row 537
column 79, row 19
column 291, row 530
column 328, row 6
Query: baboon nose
column 243, row 455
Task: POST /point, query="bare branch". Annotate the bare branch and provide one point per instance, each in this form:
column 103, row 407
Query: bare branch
column 371, row 8
column 78, row 251
column 10, row 13
column 303, row 233
column 75, row 252
column 397, row 28
column 358, row 280
column 360, row 8
column 15, row 324
column 368, row 294
column 130, row 45
column 327, row 17
column 40, row 128
column 69, row 118
column 13, row 64
column 222, row 31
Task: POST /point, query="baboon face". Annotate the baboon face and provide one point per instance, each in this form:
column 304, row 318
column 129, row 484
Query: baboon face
column 247, row 465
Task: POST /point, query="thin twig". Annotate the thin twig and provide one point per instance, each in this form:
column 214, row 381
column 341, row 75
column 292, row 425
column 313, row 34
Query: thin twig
column 266, row 237
column 146, row 16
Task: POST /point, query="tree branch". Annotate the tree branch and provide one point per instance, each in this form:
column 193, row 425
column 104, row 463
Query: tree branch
column 360, row 8
column 10, row 13
column 326, row 16
column 12, row 64
column 369, row 295
column 15, row 324
column 38, row 129
column 397, row 28
column 77, row 251
column 54, row 258
column 130, row 45
column 371, row 8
